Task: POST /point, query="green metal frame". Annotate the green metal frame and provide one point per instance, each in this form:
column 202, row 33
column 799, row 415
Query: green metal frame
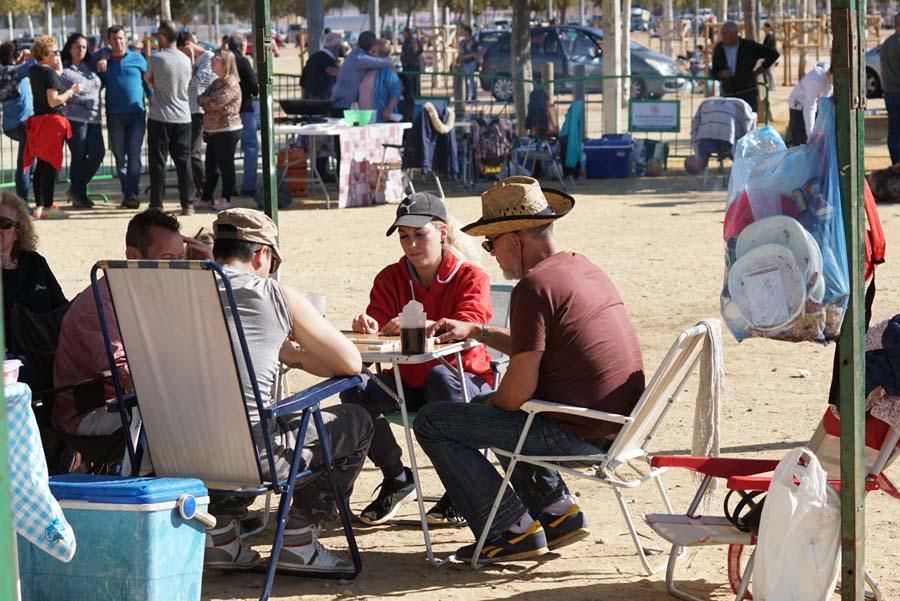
column 8, row 576
column 848, row 62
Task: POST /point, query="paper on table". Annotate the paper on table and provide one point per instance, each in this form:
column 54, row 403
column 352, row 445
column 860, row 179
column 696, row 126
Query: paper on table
column 766, row 296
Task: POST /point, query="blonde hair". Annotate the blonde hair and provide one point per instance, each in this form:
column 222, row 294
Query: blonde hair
column 42, row 47
column 462, row 245
column 26, row 238
column 229, row 63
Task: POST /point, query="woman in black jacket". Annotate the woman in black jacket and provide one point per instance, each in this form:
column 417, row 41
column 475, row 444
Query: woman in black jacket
column 27, row 279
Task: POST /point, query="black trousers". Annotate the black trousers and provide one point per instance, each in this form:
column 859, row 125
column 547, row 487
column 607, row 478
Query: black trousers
column 834, row 394
column 44, row 183
column 197, row 172
column 751, row 97
column 797, row 125
column 220, row 160
column 164, row 139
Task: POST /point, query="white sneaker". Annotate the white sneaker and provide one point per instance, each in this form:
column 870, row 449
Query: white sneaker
column 311, row 556
column 225, row 551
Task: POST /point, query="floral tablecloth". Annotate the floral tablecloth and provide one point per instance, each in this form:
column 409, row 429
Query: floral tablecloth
column 361, row 152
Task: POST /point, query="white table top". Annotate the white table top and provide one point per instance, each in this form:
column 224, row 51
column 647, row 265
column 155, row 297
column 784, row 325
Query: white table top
column 332, row 127
column 440, row 350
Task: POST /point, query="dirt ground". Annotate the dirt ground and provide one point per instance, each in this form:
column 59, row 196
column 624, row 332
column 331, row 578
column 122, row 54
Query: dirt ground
column 660, row 241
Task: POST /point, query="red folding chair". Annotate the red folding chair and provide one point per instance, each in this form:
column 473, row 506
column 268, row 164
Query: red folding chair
column 754, row 475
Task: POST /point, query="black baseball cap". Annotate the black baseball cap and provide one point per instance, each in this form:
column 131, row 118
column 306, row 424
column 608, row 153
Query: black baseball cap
column 418, row 209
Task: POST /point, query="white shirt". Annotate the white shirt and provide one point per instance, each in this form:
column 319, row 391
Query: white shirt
column 807, row 92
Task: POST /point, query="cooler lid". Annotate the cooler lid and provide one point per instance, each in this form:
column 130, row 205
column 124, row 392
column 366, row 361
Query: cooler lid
column 123, row 491
column 612, row 141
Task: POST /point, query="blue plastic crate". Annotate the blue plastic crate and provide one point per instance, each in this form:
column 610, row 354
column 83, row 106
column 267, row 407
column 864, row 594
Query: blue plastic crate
column 608, row 157
column 132, row 544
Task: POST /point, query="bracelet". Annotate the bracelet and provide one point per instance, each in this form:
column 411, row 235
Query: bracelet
column 485, row 330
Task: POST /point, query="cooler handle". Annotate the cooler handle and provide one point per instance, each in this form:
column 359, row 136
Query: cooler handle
column 187, row 509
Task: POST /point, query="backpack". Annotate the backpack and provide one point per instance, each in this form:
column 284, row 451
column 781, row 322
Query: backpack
column 9, row 82
column 493, row 146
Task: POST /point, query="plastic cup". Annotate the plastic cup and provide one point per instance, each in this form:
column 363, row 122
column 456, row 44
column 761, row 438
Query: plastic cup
column 11, row 371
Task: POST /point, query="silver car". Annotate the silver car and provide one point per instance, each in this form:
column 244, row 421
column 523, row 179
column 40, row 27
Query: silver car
column 873, row 73
column 652, row 74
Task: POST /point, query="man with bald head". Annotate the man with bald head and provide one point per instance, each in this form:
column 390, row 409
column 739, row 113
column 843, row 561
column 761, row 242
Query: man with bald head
column 890, row 84
column 738, row 62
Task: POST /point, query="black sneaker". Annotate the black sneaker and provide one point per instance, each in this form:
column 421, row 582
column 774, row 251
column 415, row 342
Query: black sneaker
column 509, row 546
column 130, row 203
column 445, row 514
column 564, row 529
column 392, row 494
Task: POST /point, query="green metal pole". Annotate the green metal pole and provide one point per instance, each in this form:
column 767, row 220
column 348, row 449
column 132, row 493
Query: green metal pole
column 263, row 56
column 848, row 21
column 8, row 548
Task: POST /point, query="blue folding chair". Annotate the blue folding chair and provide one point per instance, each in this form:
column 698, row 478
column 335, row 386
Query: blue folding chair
column 186, row 348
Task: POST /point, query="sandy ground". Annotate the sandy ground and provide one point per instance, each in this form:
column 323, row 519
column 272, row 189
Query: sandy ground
column 660, row 241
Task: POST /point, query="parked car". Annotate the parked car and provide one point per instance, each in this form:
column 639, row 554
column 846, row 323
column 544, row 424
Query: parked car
column 640, row 19
column 873, row 73
column 485, row 38
column 566, row 47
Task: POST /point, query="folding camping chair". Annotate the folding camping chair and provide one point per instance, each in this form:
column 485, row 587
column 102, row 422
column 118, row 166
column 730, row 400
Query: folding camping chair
column 690, row 529
column 196, row 423
column 630, row 443
column 716, row 127
column 500, row 296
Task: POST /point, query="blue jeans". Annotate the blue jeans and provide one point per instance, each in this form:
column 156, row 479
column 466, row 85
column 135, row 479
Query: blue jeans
column 250, row 148
column 23, row 176
column 453, row 435
column 86, row 149
column 471, row 84
column 892, row 104
column 126, row 138
column 441, row 386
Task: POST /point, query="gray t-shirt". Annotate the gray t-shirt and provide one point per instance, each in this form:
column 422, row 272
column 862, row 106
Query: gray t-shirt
column 266, row 321
column 171, row 72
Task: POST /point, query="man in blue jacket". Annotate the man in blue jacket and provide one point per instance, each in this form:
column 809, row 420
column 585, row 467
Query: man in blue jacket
column 122, row 72
column 354, row 68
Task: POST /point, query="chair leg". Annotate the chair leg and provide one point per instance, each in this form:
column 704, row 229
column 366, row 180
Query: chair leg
column 339, row 498
column 642, row 555
column 440, row 188
column 876, row 592
column 745, row 579
column 380, row 171
column 283, row 506
column 674, row 554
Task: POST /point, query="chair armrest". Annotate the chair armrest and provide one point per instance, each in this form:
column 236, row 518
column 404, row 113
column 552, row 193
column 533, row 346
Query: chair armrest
column 718, row 467
column 311, row 396
column 89, row 394
column 548, row 407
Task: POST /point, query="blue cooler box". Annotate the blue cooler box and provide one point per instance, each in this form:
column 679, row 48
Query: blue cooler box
column 132, row 543
column 608, row 157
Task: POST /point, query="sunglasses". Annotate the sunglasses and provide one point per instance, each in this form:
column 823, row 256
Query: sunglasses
column 6, row 223
column 488, row 244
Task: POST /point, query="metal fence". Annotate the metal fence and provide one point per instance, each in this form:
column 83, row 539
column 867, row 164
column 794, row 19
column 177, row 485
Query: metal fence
column 687, row 90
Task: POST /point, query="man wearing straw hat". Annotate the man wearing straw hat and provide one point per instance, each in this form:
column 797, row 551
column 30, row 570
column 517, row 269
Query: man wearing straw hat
column 570, row 341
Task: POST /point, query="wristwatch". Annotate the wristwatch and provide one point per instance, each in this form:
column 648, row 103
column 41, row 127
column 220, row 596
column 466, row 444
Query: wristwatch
column 485, row 330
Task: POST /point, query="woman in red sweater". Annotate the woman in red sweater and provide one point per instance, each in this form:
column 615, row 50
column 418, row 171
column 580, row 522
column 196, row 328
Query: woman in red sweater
column 433, row 271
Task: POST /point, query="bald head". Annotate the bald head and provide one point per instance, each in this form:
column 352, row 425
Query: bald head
column 729, row 33
column 333, row 41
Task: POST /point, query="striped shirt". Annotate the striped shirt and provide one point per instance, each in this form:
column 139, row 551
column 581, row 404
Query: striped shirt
column 202, row 76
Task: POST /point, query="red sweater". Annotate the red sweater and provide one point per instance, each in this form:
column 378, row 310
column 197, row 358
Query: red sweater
column 460, row 291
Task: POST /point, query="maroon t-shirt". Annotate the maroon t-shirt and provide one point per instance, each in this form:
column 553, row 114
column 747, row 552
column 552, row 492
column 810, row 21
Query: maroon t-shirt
column 568, row 308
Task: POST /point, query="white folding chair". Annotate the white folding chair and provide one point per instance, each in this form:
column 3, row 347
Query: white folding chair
column 185, row 347
column 500, row 295
column 630, row 443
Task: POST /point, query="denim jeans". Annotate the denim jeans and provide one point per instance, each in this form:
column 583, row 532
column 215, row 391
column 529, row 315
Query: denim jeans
column 453, row 435
column 23, row 176
column 441, row 385
column 126, row 138
column 86, row 149
column 250, row 148
column 892, row 104
column 471, row 85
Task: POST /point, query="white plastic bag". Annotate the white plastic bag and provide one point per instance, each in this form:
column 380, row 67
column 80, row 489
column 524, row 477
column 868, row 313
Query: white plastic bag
column 797, row 554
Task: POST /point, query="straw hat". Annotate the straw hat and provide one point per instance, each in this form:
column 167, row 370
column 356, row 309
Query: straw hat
column 518, row 203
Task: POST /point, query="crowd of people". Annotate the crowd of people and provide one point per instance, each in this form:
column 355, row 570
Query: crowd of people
column 559, row 309
column 58, row 97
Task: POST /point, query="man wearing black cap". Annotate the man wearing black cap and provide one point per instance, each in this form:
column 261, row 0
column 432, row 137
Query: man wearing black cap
column 280, row 324
column 570, row 341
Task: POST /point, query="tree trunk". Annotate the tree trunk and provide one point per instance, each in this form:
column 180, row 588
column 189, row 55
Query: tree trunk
column 315, row 25
column 751, row 20
column 612, row 68
column 48, row 18
column 722, row 10
column 625, row 31
column 520, row 60
column 165, row 10
column 668, row 27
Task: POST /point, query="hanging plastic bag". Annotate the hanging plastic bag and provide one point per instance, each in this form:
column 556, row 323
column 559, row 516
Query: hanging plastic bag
column 797, row 553
column 786, row 271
